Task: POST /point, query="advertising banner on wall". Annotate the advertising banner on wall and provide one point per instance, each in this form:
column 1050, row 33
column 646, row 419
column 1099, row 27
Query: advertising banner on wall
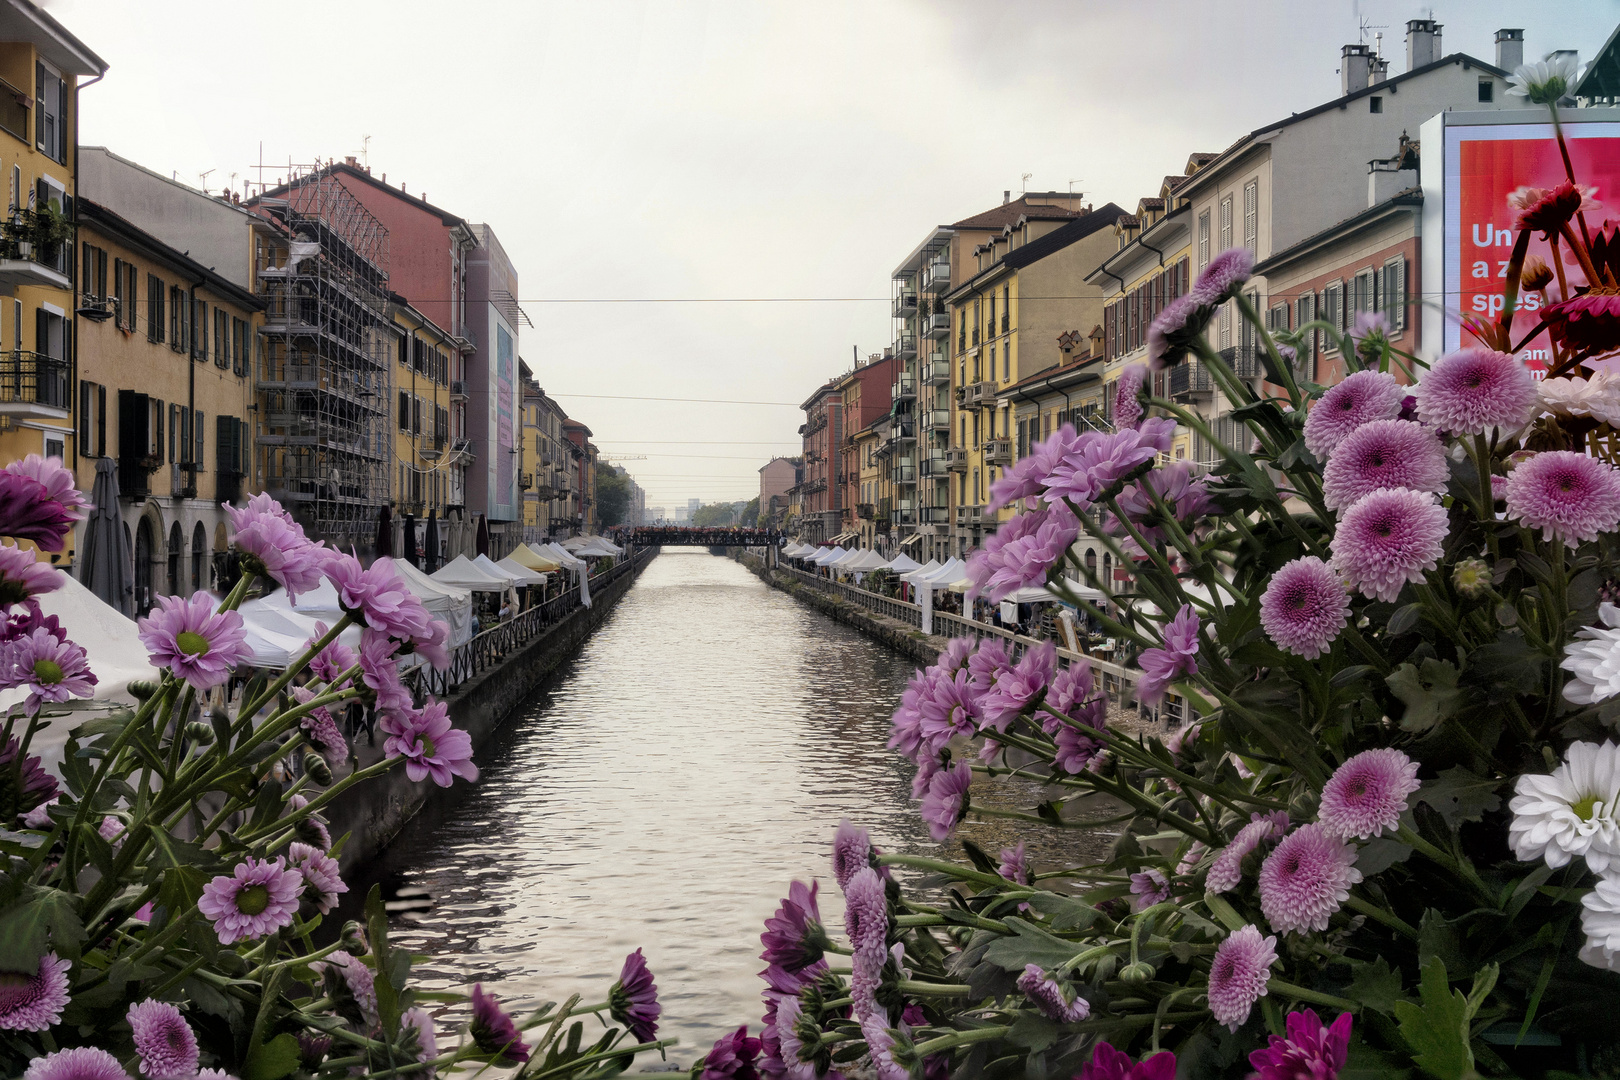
column 1484, row 160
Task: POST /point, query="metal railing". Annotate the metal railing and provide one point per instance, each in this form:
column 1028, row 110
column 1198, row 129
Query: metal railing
column 32, row 378
column 495, row 645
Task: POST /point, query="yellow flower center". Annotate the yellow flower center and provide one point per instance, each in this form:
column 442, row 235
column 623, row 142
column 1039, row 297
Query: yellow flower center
column 1586, row 807
column 253, row 900
column 426, row 743
column 191, row 644
column 47, row 672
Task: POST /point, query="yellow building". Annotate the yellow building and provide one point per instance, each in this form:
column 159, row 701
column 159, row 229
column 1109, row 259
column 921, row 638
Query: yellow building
column 41, row 64
column 1027, row 293
column 1149, row 268
column 543, row 480
column 423, row 454
column 869, row 474
column 165, row 388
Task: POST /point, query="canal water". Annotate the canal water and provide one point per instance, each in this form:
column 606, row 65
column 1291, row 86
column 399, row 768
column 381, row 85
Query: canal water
column 693, row 759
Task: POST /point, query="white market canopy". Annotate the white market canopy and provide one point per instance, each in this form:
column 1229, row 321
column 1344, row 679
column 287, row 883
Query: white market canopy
column 945, row 576
column 1040, row 594
column 917, row 573
column 557, row 553
column 521, row 573
column 822, row 558
column 447, row 603
column 864, row 560
column 902, row 563
column 489, row 566
column 464, row 573
column 598, row 548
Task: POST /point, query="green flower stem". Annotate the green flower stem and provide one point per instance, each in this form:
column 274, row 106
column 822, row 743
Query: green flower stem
column 913, row 986
column 930, row 917
column 1377, row 659
column 1093, row 953
column 1299, row 993
column 588, row 1059
column 177, row 740
column 310, row 958
column 918, row 862
column 1378, row 914
column 295, row 667
column 960, row 1038
column 1153, row 553
column 1250, row 315
column 1409, row 836
column 321, row 800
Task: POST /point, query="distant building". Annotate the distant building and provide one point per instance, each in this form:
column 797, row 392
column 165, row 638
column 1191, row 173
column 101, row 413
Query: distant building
column 777, row 479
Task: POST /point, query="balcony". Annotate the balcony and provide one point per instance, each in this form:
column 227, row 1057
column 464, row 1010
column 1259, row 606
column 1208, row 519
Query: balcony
column 937, row 419
column 938, row 326
column 905, row 474
column 905, row 305
column 936, row 276
column 182, row 480
column 33, row 386
column 458, row 390
column 933, row 467
column 1189, row 379
column 904, row 387
column 937, row 373
column 866, row 511
column 979, row 395
column 903, row 431
column 34, row 250
column 969, row 515
column 525, row 481
column 1006, row 323
column 1244, row 361
column 935, row 515
column 905, row 346
column 905, row 514
column 956, row 459
column 998, row 452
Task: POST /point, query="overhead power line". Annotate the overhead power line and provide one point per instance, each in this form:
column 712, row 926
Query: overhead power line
column 695, row 400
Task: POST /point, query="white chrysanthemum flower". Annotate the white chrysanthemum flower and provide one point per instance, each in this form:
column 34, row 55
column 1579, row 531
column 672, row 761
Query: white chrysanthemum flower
column 1594, row 659
column 1597, row 397
column 1601, row 922
column 1570, row 812
column 1545, row 81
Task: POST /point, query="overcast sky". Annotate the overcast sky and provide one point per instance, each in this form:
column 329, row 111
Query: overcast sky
column 730, row 151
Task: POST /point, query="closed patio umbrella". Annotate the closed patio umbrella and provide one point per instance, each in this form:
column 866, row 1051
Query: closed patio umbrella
column 385, row 533
column 410, row 539
column 108, row 567
column 481, row 546
column 431, row 542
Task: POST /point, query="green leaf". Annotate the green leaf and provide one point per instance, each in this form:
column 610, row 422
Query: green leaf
column 43, row 919
column 272, row 1060
column 1353, row 674
column 1404, row 619
column 1437, row 1031
column 1461, row 795
column 181, row 889
column 1376, row 986
column 1438, row 938
column 1430, row 694
column 1068, row 912
column 1031, row 945
column 1034, row 1032
column 1380, row 855
column 388, row 1009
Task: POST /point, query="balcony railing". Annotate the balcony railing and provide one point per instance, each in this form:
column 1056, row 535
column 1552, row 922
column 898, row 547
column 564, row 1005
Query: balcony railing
column 905, row 474
column 865, row 510
column 525, row 481
column 936, row 276
column 903, row 431
column 936, row 515
column 937, row 373
column 31, row 381
column 904, row 387
column 956, row 459
column 969, row 515
column 998, row 452
column 937, row 419
column 31, row 253
column 905, row 346
column 1189, row 379
column 933, row 467
column 905, row 305
column 978, row 394
column 1244, row 361
column 938, row 326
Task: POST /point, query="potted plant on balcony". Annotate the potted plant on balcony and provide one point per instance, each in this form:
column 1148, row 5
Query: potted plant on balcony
column 51, row 229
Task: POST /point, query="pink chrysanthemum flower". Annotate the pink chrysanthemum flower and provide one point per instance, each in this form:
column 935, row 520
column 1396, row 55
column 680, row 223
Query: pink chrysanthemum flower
column 1384, row 454
column 1053, row 999
column 1304, row 607
column 258, row 897
column 195, row 642
column 1306, row 879
column 379, row 670
column 1174, row 330
column 1310, row 1052
column 1590, row 321
column 79, row 1063
column 416, row 1020
column 1179, row 657
column 866, row 923
column 320, row 727
column 852, row 852
column 1099, row 466
column 378, row 596
column 946, row 803
column 1127, row 409
column 988, row 661
column 322, row 879
column 1472, row 390
column 163, row 1041
column 1238, row 976
column 1224, row 277
column 429, row 745
column 1361, row 398
column 51, row 670
column 331, row 661
column 1021, row 552
column 1226, row 871
column 1565, row 493
column 22, row 575
column 1015, row 864
column 1025, row 478
column 275, row 545
column 342, row 975
column 1366, row 795
column 1018, row 688
column 1109, row 1064
column 39, row 502
column 947, row 708
column 905, row 734
column 35, row 1003
column 1389, row 538
column 493, row 1030
column 1074, row 693
column 1148, row 888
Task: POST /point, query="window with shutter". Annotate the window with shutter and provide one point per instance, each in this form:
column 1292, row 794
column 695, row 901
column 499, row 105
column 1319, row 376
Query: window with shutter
column 154, row 308
column 1203, row 240
column 1223, row 326
column 1395, row 300
column 1226, row 223
column 404, row 411
column 1363, row 300
column 199, row 330
column 174, row 432
column 158, row 410
column 86, row 390
column 101, row 421
column 197, row 430
column 1251, row 216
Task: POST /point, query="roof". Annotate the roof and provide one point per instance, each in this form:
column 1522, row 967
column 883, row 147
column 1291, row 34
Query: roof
column 22, row 20
column 1410, row 197
column 1602, row 76
column 1159, row 229
column 1128, row 221
column 1042, row 246
column 828, row 387
column 1172, row 181
column 1338, row 103
column 1008, row 213
column 343, row 168
column 1073, row 367
column 129, row 234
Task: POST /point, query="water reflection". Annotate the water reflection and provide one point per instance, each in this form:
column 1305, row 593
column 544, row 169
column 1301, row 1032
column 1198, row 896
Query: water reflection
column 693, row 759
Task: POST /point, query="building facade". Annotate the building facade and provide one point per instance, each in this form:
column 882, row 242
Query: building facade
column 423, row 452
column 821, row 513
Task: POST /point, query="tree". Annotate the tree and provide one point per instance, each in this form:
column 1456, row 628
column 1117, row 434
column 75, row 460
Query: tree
column 612, row 495
column 718, row 515
column 749, row 517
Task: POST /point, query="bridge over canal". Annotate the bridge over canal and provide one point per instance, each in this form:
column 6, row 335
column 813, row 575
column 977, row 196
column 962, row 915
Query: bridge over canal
column 674, row 535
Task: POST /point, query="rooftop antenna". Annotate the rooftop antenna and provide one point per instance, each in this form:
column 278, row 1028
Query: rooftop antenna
column 1366, row 26
column 202, row 180
column 1074, row 182
column 1026, row 182
column 365, row 151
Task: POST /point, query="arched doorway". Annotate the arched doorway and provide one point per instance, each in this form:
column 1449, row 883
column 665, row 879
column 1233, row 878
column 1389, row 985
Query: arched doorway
column 177, row 545
column 199, row 556
column 143, row 566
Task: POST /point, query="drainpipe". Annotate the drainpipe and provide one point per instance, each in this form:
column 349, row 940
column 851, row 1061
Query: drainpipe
column 1151, row 248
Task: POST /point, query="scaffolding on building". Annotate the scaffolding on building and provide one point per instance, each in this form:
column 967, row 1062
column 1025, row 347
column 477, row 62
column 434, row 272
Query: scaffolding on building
column 325, row 375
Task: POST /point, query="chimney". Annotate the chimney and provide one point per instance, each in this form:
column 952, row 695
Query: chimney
column 1355, row 68
column 1509, row 49
column 1422, row 43
column 350, row 161
column 1380, row 70
column 1006, row 197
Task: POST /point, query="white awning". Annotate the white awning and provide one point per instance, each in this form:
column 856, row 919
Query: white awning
column 903, row 563
column 464, row 573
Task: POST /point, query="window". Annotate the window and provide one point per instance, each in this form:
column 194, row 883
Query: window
column 154, row 308
column 199, row 330
column 1223, row 326
column 404, row 411
column 1333, row 313
column 197, row 430
column 1375, row 104
column 1006, row 360
column 16, row 187
column 1226, row 223
column 1277, row 316
column 174, row 433
column 50, row 120
column 92, row 419
column 222, row 338
column 50, row 334
column 177, row 318
column 1251, row 216
column 1487, row 90
column 93, row 283
column 1364, row 295
column 1395, row 299
column 1304, row 313
column 239, row 346
column 1203, row 240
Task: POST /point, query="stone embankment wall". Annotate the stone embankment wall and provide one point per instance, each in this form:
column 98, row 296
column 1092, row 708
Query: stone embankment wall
column 899, row 636
column 374, row 812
